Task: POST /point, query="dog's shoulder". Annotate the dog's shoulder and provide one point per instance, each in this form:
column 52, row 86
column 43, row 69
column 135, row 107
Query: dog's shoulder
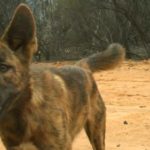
column 57, row 78
column 67, row 72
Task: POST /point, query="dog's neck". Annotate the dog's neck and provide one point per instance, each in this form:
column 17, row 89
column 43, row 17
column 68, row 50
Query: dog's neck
column 23, row 98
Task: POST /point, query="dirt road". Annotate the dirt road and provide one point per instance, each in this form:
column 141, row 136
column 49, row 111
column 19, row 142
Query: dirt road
column 126, row 92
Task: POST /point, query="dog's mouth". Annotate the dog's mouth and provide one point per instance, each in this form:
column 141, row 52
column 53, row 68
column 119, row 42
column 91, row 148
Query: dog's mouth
column 5, row 105
column 7, row 99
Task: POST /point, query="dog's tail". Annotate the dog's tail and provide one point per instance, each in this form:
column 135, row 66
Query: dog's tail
column 104, row 60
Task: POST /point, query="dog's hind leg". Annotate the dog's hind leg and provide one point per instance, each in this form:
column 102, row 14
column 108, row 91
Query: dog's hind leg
column 95, row 126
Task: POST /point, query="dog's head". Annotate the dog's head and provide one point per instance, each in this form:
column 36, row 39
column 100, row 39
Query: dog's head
column 17, row 45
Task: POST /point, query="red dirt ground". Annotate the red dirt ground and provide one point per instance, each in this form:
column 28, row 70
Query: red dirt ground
column 126, row 92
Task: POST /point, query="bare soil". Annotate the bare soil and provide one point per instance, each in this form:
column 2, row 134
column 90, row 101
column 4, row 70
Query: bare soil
column 126, row 92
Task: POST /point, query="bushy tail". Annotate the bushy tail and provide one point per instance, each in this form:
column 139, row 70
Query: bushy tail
column 104, row 60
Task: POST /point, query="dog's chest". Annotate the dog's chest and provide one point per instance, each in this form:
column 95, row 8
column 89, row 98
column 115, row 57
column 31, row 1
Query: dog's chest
column 12, row 130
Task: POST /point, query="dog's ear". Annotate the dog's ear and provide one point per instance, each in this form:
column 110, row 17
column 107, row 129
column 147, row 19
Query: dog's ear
column 20, row 35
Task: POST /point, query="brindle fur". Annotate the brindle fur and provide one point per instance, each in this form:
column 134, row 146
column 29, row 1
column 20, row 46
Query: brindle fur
column 45, row 108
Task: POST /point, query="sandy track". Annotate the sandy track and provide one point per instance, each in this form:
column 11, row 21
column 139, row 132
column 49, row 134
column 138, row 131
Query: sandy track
column 126, row 92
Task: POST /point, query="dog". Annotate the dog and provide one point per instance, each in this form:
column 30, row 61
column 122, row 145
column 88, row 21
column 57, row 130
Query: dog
column 44, row 108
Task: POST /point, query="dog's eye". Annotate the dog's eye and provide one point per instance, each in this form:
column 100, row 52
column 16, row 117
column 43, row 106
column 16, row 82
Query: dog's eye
column 4, row 68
